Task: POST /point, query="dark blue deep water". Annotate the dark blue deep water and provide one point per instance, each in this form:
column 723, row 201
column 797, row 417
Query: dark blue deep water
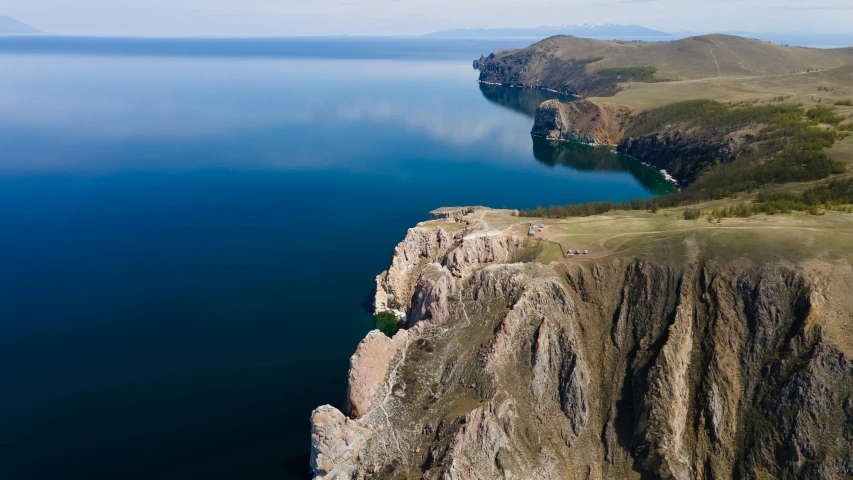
column 190, row 229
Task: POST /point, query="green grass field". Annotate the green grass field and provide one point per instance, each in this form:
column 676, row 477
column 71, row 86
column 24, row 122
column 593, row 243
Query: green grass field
column 792, row 237
column 551, row 252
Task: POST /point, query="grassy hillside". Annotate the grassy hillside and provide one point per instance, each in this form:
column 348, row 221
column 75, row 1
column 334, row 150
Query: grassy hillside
column 641, row 232
column 723, row 114
column 823, row 86
column 709, row 56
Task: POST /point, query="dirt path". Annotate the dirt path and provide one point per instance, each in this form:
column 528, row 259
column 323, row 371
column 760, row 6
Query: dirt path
column 839, row 60
column 719, row 70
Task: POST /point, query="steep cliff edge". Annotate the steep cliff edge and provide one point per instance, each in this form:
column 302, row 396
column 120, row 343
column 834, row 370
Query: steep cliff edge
column 686, row 152
column 714, row 148
column 672, row 359
column 589, row 68
column 678, row 147
column 582, row 121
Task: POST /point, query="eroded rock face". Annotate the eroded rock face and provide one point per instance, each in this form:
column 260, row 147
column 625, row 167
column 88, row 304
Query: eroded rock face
column 429, row 301
column 620, row 368
column 542, row 66
column 336, row 442
column 582, row 121
column 478, row 250
column 394, row 287
column 683, row 151
column 417, row 259
column 476, row 446
column 368, row 367
column 663, row 416
column 453, row 215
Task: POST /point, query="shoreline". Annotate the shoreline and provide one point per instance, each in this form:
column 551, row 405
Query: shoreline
column 531, row 88
column 666, row 175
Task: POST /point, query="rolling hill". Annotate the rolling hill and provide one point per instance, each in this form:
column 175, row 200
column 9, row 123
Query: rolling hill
column 594, row 67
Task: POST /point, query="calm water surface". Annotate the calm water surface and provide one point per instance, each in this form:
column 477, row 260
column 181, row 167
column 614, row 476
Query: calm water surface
column 189, row 234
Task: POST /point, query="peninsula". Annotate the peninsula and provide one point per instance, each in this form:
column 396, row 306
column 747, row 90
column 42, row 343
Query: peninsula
column 706, row 334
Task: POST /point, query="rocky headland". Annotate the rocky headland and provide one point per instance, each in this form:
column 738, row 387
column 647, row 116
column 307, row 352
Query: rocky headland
column 644, row 99
column 677, row 147
column 583, row 121
column 596, row 68
column 681, row 365
column 673, row 348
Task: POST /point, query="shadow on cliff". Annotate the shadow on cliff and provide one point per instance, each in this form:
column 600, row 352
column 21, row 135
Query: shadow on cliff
column 598, row 159
column 521, row 100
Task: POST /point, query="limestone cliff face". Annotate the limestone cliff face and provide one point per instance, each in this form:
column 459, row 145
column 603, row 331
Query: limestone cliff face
column 618, row 368
column 430, row 297
column 394, row 286
column 336, row 442
column 368, row 368
column 582, row 121
column 423, row 246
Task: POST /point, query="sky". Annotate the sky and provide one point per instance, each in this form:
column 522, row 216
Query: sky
column 408, row 17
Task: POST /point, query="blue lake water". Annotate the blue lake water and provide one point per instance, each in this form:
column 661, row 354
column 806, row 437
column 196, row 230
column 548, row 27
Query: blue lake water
column 190, row 229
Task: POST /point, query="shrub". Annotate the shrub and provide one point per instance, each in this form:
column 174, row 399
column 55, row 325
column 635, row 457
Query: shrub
column 787, row 146
column 631, row 74
column 585, row 61
column 692, row 213
column 824, row 115
column 387, row 323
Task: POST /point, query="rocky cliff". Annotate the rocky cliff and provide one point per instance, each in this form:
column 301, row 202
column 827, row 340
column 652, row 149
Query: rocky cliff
column 595, row 68
column 686, row 367
column 582, row 121
column 534, row 69
column 687, row 151
column 681, row 148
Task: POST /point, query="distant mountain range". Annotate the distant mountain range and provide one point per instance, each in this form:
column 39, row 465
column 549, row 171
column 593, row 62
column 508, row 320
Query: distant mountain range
column 597, row 30
column 10, row 26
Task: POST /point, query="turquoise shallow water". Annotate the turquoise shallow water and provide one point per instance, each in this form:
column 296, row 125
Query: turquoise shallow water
column 190, row 233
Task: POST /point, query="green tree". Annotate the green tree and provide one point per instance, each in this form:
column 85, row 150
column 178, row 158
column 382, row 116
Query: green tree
column 387, row 323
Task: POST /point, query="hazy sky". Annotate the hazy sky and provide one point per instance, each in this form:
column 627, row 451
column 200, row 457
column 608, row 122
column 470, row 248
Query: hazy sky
column 384, row 17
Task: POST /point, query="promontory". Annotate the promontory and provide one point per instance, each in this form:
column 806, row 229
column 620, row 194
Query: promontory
column 705, row 334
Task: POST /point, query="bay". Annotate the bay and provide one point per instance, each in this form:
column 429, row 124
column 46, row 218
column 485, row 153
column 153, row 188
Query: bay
column 190, row 229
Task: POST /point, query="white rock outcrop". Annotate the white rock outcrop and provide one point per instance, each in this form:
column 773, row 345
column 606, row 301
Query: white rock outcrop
column 336, row 443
